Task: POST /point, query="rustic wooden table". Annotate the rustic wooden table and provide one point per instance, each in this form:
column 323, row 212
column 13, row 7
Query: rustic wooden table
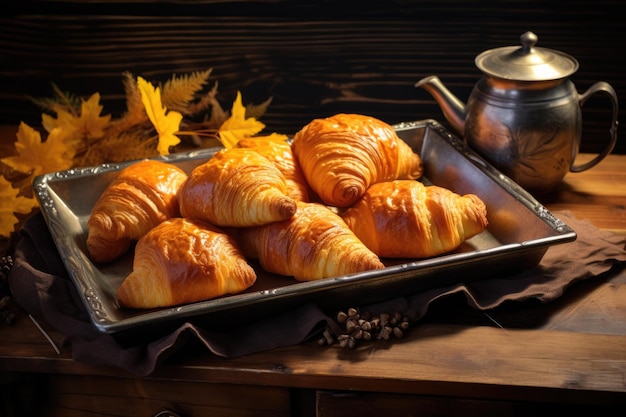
column 568, row 355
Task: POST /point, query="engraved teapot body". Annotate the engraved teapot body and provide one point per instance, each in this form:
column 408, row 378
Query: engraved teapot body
column 524, row 115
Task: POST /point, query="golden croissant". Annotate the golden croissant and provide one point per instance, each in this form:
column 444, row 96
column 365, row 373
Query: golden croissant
column 342, row 155
column 183, row 261
column 236, row 187
column 280, row 153
column 314, row 244
column 143, row 195
column 405, row 219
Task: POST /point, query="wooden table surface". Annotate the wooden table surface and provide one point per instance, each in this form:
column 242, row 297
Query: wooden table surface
column 572, row 349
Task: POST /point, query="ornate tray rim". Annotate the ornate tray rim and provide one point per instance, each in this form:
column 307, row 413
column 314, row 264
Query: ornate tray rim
column 58, row 214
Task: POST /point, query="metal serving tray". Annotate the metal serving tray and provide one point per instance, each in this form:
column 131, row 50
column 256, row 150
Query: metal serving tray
column 519, row 233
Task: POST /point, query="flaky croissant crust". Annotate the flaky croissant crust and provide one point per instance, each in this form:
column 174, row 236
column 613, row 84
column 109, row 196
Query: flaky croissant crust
column 406, row 219
column 143, row 195
column 314, row 244
column 182, row 261
column 280, row 153
column 236, row 187
column 342, row 155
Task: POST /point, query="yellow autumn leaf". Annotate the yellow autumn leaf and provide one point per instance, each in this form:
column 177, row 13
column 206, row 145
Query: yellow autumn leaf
column 63, row 119
column 18, row 204
column 92, row 125
column 237, row 127
column 166, row 123
column 87, row 126
column 35, row 157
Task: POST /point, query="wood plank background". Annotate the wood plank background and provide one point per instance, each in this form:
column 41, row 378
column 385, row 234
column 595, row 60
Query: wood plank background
column 314, row 58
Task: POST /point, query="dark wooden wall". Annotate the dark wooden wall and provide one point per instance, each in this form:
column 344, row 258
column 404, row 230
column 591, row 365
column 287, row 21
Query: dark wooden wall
column 315, row 58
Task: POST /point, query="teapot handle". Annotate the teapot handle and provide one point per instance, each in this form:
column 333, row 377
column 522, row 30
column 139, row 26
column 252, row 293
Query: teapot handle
column 600, row 87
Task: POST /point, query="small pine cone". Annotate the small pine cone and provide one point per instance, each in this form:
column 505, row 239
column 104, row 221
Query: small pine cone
column 327, row 338
column 375, row 323
column 351, row 343
column 396, row 318
column 353, row 312
column 366, row 325
column 361, row 325
column 344, row 340
column 397, row 332
column 342, row 317
column 385, row 333
column 328, row 335
column 351, row 326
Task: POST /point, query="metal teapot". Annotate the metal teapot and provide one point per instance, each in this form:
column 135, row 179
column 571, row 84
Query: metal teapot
column 524, row 115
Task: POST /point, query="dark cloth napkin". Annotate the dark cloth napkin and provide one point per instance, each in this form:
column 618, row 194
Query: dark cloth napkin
column 41, row 286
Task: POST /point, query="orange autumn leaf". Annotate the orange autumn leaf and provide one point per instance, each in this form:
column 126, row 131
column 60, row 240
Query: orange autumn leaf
column 92, row 125
column 64, row 120
column 237, row 127
column 166, row 123
column 35, row 157
column 88, row 125
column 19, row 204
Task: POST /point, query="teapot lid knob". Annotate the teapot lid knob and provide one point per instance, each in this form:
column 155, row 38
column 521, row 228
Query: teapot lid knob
column 526, row 63
column 529, row 39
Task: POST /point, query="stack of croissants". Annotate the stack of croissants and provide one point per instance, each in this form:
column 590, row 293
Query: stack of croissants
column 343, row 194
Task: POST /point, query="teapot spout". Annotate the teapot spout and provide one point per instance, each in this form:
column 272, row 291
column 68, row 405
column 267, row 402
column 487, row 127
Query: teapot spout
column 453, row 109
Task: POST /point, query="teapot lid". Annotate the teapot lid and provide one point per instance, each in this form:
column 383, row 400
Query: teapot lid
column 526, row 63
